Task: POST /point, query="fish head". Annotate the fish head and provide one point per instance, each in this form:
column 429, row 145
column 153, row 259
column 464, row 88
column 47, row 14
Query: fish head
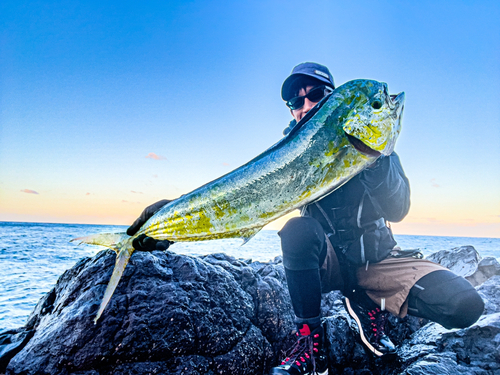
column 373, row 122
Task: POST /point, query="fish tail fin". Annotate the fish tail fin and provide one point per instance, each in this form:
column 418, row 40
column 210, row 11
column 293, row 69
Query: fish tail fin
column 122, row 245
column 112, row 241
column 122, row 258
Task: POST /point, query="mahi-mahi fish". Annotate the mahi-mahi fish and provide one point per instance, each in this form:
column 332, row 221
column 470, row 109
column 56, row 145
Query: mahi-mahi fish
column 344, row 134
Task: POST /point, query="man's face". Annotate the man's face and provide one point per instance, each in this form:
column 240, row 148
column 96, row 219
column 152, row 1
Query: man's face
column 298, row 114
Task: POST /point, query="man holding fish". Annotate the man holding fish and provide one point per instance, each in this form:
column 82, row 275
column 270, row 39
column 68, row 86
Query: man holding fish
column 343, row 241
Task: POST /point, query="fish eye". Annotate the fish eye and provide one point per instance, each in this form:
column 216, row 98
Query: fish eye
column 376, row 104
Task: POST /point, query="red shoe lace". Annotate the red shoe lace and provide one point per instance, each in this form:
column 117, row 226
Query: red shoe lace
column 377, row 320
column 304, row 346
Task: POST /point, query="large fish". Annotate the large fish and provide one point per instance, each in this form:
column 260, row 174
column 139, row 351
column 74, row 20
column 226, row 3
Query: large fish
column 345, row 133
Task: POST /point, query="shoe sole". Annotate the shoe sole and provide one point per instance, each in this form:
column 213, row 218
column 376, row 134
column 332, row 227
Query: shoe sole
column 317, row 373
column 360, row 329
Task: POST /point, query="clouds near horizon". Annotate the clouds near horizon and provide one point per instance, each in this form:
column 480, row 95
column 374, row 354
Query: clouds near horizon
column 29, row 191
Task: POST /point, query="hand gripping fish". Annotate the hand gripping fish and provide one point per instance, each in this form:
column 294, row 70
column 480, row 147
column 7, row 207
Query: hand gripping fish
column 345, row 133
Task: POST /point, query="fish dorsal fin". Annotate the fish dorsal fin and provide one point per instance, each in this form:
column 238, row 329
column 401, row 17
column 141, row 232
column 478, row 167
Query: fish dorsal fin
column 248, row 234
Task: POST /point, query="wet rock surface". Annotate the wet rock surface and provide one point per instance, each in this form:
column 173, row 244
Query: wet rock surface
column 175, row 314
column 169, row 314
column 487, row 267
column 463, row 261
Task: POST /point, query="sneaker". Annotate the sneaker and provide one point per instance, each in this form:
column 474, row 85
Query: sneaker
column 371, row 328
column 307, row 356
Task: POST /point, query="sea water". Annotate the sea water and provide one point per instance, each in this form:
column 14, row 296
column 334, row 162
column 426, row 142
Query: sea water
column 34, row 255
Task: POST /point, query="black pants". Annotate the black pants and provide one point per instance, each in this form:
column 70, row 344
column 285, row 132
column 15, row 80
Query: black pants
column 440, row 296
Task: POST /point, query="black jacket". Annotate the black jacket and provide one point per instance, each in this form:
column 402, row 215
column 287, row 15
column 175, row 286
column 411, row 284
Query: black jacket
column 354, row 216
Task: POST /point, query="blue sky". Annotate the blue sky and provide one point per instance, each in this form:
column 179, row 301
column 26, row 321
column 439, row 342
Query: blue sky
column 89, row 89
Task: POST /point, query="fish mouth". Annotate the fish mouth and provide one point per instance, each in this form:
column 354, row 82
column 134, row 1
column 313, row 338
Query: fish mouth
column 361, row 147
column 398, row 99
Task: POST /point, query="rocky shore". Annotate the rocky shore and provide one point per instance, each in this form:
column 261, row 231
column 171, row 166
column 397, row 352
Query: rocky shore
column 176, row 314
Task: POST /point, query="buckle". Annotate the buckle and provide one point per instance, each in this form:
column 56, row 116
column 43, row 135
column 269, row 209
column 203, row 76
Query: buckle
column 410, row 253
column 346, row 235
column 340, row 212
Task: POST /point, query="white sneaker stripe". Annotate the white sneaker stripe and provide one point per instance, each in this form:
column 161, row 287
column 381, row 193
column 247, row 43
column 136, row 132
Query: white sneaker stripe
column 360, row 327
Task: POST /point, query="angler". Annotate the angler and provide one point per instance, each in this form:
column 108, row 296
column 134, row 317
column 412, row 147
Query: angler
column 342, row 242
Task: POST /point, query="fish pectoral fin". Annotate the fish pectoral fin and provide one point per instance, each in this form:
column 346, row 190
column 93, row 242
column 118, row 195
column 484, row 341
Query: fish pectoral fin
column 248, row 234
column 109, row 240
column 122, row 259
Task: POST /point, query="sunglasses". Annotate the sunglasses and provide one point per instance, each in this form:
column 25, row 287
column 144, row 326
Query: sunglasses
column 315, row 95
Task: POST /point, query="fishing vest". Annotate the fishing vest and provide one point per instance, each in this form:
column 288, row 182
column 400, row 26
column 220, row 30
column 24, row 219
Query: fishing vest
column 356, row 230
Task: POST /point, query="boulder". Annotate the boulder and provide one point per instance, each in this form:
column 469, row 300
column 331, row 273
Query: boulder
column 434, row 350
column 486, row 268
column 170, row 314
column 11, row 343
column 462, row 260
column 177, row 314
column 490, row 293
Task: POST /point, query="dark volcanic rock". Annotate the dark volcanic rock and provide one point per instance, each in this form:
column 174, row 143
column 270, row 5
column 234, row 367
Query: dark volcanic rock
column 473, row 350
column 11, row 343
column 175, row 314
column 169, row 314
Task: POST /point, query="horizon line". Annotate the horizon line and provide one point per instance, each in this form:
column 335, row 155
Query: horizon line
column 126, row 225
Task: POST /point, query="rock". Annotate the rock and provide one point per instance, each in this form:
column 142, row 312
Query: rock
column 435, row 350
column 11, row 343
column 170, row 313
column 462, row 260
column 490, row 293
column 176, row 314
column 487, row 268
column 441, row 363
column 344, row 350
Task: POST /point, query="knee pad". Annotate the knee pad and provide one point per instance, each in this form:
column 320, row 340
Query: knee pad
column 466, row 309
column 303, row 243
column 445, row 298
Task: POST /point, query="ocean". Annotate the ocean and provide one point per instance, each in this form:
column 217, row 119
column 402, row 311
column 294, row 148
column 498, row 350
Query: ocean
column 34, row 255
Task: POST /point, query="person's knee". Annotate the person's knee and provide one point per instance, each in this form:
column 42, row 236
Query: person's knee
column 302, row 241
column 300, row 234
column 447, row 299
column 464, row 310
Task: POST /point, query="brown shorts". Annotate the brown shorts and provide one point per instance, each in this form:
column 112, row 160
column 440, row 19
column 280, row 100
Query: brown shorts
column 387, row 282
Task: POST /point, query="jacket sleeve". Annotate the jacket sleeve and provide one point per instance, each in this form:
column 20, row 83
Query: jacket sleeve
column 388, row 187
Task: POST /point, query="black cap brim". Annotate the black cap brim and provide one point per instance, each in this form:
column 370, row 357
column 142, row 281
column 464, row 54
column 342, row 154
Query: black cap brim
column 286, row 88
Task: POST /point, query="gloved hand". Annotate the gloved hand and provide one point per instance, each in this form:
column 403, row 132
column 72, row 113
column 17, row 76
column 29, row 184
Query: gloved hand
column 143, row 242
column 146, row 215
